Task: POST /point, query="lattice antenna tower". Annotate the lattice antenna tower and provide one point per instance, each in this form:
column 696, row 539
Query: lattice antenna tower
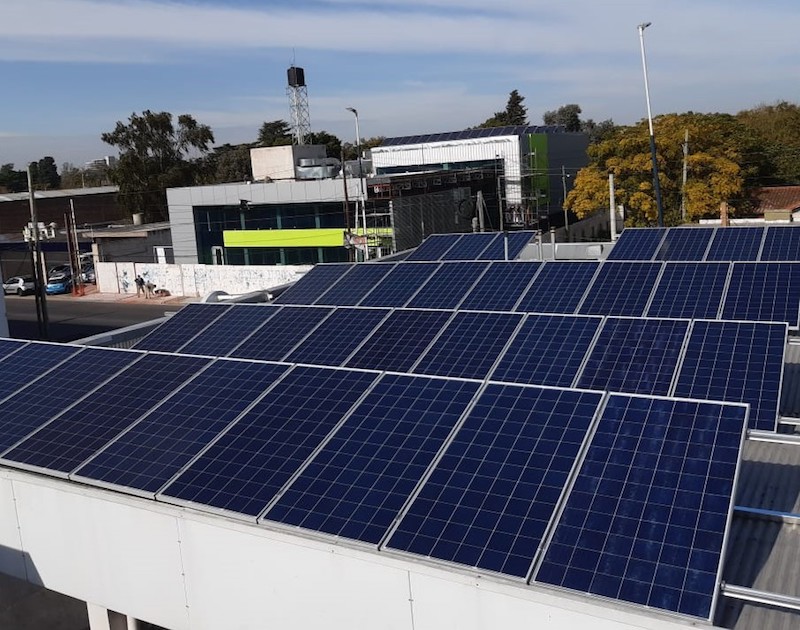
column 298, row 104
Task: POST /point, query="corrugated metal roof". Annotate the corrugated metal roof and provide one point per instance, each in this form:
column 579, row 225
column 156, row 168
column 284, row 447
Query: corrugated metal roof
column 790, row 392
column 55, row 194
column 764, row 554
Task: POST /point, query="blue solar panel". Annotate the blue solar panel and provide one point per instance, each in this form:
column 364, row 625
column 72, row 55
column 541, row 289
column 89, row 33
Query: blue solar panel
column 71, row 438
column 736, row 244
column 34, row 405
column 246, row 467
column 646, row 518
column 547, row 350
column 399, row 285
column 230, row 330
column 689, row 244
column 736, row 362
column 768, row 292
column 154, row 449
column 637, row 244
column 469, row 345
column 179, row 329
column 692, row 290
column 308, row 288
column 558, row 288
column 781, row 243
column 470, row 246
column 434, row 247
column 500, row 287
column 8, row 346
column 30, row 362
column 335, row 339
column 635, row 355
column 351, row 289
column 448, row 285
column 281, row 333
column 489, row 499
column 357, row 484
column 621, row 288
column 400, row 340
column 497, row 248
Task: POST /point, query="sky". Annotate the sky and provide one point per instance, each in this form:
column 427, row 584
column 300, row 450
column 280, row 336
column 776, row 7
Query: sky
column 70, row 69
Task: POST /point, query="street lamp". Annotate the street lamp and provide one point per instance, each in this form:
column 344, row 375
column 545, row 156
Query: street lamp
column 354, row 111
column 656, row 185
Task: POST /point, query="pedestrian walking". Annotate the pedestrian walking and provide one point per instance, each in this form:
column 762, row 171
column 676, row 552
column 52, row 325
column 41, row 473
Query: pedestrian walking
column 140, row 286
column 149, row 289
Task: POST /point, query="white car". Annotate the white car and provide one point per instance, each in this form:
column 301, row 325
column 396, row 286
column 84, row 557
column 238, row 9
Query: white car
column 19, row 285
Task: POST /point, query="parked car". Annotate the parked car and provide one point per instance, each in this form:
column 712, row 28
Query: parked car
column 20, row 285
column 88, row 275
column 59, row 283
column 60, row 270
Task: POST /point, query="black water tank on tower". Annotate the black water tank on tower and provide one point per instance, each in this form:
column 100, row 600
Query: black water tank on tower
column 297, row 78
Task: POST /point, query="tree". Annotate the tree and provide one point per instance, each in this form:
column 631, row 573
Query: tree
column 717, row 169
column 11, row 180
column 275, row 133
column 567, row 115
column 154, row 156
column 227, row 163
column 333, row 146
column 515, row 113
column 351, row 151
column 778, row 126
column 44, row 174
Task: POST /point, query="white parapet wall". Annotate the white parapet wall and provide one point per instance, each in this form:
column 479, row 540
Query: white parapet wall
column 195, row 280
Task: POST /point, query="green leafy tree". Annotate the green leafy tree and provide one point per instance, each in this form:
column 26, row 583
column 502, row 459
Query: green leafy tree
column 515, row 113
column 351, row 151
column 275, row 133
column 333, row 146
column 12, row 180
column 227, row 163
column 567, row 115
column 156, row 155
column 717, row 169
column 44, row 174
column 71, row 176
column 778, row 126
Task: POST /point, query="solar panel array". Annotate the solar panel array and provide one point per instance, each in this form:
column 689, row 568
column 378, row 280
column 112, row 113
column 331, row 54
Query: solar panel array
column 477, row 246
column 589, row 452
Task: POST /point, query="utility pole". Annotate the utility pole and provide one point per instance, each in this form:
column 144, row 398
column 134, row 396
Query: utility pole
column 656, row 183
column 683, row 182
column 564, row 201
column 39, row 276
column 499, row 194
column 348, row 233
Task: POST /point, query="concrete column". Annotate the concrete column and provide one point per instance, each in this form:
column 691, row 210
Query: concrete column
column 98, row 617
column 133, row 623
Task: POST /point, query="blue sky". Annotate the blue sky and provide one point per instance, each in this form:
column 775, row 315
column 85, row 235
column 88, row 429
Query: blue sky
column 71, row 68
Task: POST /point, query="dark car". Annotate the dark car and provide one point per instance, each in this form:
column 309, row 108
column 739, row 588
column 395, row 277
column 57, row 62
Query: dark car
column 60, row 270
column 19, row 285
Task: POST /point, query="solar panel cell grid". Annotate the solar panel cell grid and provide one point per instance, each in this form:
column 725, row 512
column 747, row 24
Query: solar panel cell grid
column 308, row 288
column 558, row 288
column 637, row 244
column 690, row 290
column 400, row 340
column 29, row 409
column 500, row 287
column 448, row 285
column 547, row 350
column 357, row 484
column 434, row 247
column 229, row 330
column 70, row 439
column 469, row 345
column 8, row 346
column 635, row 355
column 30, row 362
column 763, row 292
column 336, row 338
column 736, row 362
column 156, row 448
column 685, row 244
column 351, row 289
column 399, row 285
column 246, row 467
column 621, row 288
column 181, row 327
column 469, row 246
column 490, row 497
column 736, row 244
column 496, row 250
column 781, row 243
column 281, row 333
column 646, row 518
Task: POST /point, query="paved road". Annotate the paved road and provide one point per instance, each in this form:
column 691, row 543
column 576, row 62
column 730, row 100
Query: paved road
column 74, row 318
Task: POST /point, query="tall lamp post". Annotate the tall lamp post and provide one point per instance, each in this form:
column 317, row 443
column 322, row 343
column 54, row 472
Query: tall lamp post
column 354, row 111
column 656, row 185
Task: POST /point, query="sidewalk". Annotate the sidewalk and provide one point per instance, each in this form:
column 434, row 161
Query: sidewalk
column 93, row 295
